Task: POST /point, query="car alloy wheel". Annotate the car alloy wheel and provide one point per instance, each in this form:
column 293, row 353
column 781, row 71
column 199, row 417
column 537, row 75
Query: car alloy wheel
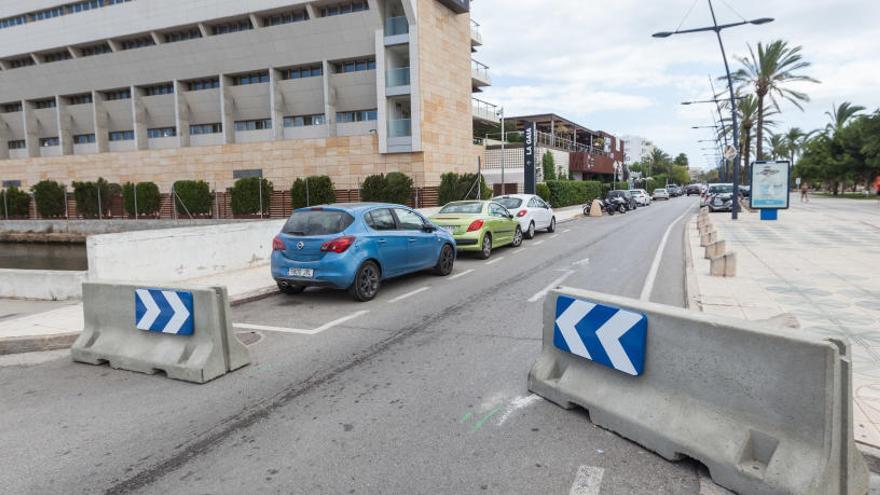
column 366, row 282
column 517, row 237
column 530, row 234
column 446, row 262
column 486, row 251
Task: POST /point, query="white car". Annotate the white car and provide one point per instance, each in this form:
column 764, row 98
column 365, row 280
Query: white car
column 641, row 196
column 661, row 194
column 532, row 212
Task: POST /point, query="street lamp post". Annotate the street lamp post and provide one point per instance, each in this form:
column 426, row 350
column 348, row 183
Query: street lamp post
column 717, row 29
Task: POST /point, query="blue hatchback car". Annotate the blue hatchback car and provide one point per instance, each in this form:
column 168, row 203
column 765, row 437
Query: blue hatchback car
column 356, row 247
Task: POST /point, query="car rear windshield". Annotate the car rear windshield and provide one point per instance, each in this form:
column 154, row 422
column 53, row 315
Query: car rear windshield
column 317, row 222
column 474, row 208
column 661, row 191
column 509, row 203
column 727, row 188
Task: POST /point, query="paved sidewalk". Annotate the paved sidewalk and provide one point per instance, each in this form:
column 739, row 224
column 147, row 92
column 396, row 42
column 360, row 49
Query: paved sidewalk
column 818, row 265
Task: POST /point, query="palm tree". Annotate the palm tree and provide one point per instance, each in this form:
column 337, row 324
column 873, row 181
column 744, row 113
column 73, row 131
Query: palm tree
column 841, row 114
column 777, row 145
column 793, row 142
column 747, row 113
column 657, row 161
column 769, row 72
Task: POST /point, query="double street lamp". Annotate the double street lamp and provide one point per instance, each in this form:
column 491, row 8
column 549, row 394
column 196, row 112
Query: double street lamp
column 717, row 28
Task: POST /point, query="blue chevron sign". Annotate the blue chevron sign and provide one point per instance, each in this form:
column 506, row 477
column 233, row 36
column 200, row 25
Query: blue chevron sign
column 609, row 336
column 164, row 311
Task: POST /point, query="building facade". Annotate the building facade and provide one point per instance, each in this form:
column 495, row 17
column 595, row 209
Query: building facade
column 637, row 148
column 163, row 90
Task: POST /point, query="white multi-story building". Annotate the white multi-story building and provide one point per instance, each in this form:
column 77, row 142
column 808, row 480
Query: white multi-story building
column 637, row 148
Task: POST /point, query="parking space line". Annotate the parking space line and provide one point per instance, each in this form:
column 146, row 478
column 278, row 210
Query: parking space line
column 518, row 250
column 538, row 243
column 322, row 328
column 566, row 231
column 587, row 481
column 554, row 236
column 543, row 292
column 496, row 260
column 462, row 274
column 408, row 295
column 585, row 261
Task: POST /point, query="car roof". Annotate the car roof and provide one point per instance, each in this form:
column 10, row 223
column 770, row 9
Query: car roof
column 517, row 196
column 353, row 207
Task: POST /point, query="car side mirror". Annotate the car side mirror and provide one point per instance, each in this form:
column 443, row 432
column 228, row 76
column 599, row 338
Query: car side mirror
column 428, row 228
column 510, row 216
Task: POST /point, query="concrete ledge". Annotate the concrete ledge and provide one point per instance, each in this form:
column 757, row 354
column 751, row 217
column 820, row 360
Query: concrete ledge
column 42, row 285
column 20, row 345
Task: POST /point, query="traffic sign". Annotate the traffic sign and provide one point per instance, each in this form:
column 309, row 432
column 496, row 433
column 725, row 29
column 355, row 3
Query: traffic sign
column 730, row 152
column 164, row 311
column 612, row 337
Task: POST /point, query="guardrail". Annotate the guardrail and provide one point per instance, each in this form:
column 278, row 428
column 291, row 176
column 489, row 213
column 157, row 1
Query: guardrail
column 485, row 110
column 399, row 128
column 480, row 71
column 396, row 25
column 397, row 77
column 475, row 32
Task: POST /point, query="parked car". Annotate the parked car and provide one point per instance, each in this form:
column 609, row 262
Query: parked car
column 694, row 189
column 356, row 247
column 674, row 190
column 713, row 189
column 479, row 226
column 745, row 191
column 532, row 212
column 631, row 203
column 641, row 196
column 661, row 194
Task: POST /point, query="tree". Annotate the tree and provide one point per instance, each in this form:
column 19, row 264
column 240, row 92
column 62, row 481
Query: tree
column 841, row 114
column 681, row 160
column 777, row 145
column 657, row 162
column 49, row 197
column 769, row 72
column 549, row 165
column 794, row 141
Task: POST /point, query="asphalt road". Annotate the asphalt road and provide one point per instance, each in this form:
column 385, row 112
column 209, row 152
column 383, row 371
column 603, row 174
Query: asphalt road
column 422, row 390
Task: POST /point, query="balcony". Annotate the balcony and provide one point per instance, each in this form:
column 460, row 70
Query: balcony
column 399, row 128
column 485, row 111
column 476, row 36
column 397, row 77
column 396, row 31
column 479, row 76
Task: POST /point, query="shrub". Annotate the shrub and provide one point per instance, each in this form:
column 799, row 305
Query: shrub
column 246, row 196
column 193, row 196
column 373, row 188
column 15, row 202
column 622, row 186
column 49, row 197
column 549, row 165
column 320, row 192
column 457, row 187
column 147, row 195
column 543, row 191
column 594, row 191
column 89, row 194
column 395, row 187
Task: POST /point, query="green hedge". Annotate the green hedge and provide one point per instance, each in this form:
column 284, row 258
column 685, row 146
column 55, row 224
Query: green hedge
column 571, row 192
column 543, row 191
column 49, row 197
column 147, row 195
column 621, row 186
column 193, row 196
column 87, row 195
column 320, row 192
column 246, row 196
column 394, row 187
column 457, row 187
column 15, row 203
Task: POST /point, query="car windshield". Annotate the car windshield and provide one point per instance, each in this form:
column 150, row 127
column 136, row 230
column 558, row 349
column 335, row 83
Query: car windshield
column 721, row 189
column 637, row 193
column 317, row 223
column 509, row 203
column 472, row 208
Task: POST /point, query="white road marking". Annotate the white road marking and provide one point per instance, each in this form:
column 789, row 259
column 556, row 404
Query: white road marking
column 543, row 292
column 587, row 481
column 585, row 261
column 408, row 295
column 517, row 404
column 655, row 266
column 554, row 236
column 322, row 328
column 566, row 231
column 538, row 243
column 496, row 260
column 518, row 250
column 462, row 274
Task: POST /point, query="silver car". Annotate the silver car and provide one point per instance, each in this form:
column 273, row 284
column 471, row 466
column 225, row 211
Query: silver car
column 641, row 196
column 661, row 194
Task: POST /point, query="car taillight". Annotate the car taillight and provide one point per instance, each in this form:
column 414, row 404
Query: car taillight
column 338, row 245
column 475, row 226
column 522, row 213
column 278, row 244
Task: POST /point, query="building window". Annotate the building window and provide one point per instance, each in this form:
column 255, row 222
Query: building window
column 198, row 129
column 49, row 141
column 186, row 34
column 132, row 43
column 57, row 56
column 99, row 49
column 231, row 27
column 122, row 136
column 12, row 21
column 12, row 107
column 253, row 125
column 47, row 14
column 71, row 8
column 80, row 99
column 254, row 78
column 355, row 65
column 304, row 120
column 21, row 62
column 203, row 84
column 122, row 94
column 159, row 89
column 84, row 6
column 47, row 103
column 357, row 116
column 18, row 144
column 304, row 71
column 161, row 132
column 286, row 18
column 344, row 8
column 84, row 139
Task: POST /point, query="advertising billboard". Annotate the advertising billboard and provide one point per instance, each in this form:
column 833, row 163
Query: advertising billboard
column 770, row 180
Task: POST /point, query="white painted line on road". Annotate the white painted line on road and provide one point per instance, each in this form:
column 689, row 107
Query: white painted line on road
column 518, row 250
column 322, row 328
column 537, row 243
column 588, row 481
column 543, row 293
column 655, row 266
column 566, row 231
column 408, row 295
column 583, row 262
column 496, row 260
column 462, row 274
column 517, row 404
column 554, row 236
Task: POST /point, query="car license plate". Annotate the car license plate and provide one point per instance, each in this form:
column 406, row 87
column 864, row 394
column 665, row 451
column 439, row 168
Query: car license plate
column 301, row 272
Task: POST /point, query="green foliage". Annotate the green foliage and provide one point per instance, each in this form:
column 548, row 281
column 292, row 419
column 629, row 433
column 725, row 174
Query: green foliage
column 193, row 197
column 49, row 197
column 543, row 191
column 621, row 186
column 88, row 194
column 549, row 165
column 680, row 175
column 147, row 198
column 15, row 202
column 564, row 193
column 845, row 156
column 681, row 160
column 320, row 192
column 457, row 187
column 246, row 196
column 395, row 187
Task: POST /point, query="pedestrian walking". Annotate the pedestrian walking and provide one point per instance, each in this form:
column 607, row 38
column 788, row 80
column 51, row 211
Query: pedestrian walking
column 805, row 193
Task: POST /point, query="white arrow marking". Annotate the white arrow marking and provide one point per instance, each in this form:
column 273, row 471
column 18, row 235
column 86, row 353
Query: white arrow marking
column 180, row 312
column 153, row 310
column 609, row 335
column 566, row 323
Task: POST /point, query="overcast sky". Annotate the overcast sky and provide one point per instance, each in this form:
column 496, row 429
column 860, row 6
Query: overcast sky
column 596, row 63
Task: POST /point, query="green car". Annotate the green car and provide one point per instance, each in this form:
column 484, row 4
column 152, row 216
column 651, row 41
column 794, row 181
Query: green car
column 479, row 226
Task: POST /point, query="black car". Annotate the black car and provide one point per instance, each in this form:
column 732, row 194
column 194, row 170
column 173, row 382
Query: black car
column 694, row 189
column 631, row 203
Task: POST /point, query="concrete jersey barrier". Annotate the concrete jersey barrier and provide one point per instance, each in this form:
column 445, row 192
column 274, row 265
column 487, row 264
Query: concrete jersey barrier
column 124, row 324
column 767, row 412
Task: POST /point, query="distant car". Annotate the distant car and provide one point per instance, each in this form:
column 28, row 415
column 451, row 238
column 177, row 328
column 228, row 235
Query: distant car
column 694, row 189
column 532, row 212
column 479, row 226
column 631, row 203
column 715, row 188
column 641, row 196
column 356, row 247
column 661, row 194
column 674, row 190
column 745, row 191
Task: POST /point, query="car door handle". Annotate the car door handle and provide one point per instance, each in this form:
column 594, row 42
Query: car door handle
column 382, row 241
column 412, row 239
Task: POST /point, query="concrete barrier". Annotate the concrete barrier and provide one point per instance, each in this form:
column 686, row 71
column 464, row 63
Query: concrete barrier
column 708, row 238
column 723, row 265
column 717, row 248
column 41, row 285
column 111, row 334
column 596, row 208
column 767, row 411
